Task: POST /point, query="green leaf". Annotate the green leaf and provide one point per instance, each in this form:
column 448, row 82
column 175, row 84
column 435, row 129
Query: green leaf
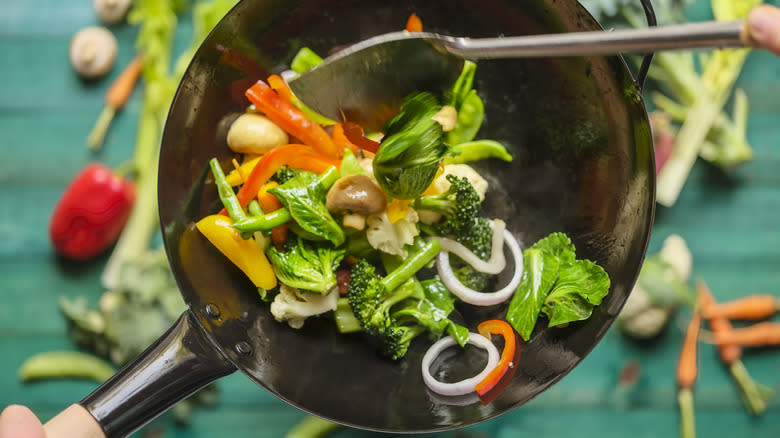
column 470, row 116
column 304, row 197
column 350, row 165
column 580, row 287
column 477, row 150
column 558, row 245
column 305, row 266
column 539, row 275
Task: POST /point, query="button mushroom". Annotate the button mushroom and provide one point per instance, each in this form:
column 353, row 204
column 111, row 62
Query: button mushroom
column 255, row 134
column 111, row 11
column 93, row 51
column 356, row 194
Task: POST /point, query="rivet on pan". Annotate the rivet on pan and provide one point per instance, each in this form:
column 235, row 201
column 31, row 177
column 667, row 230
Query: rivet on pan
column 212, row 311
column 243, row 348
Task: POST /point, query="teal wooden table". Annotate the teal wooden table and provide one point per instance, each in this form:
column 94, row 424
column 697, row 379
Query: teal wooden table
column 732, row 224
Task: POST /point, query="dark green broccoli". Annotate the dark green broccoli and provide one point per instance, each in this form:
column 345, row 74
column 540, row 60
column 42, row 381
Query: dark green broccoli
column 479, row 239
column 284, row 174
column 372, row 298
column 458, row 205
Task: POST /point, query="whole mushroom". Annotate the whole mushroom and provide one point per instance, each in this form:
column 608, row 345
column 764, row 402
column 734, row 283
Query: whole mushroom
column 356, row 194
column 93, row 51
column 111, row 11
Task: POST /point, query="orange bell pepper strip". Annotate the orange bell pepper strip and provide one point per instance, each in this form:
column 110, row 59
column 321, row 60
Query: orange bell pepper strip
column 354, row 133
column 341, row 140
column 291, row 119
column 269, row 203
column 246, row 254
column 297, row 156
column 497, row 327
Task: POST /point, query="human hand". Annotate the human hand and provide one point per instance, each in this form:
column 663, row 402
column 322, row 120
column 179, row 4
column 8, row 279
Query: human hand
column 18, row 421
column 763, row 25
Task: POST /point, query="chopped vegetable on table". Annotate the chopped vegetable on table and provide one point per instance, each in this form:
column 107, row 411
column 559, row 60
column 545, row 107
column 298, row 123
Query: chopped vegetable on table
column 687, row 371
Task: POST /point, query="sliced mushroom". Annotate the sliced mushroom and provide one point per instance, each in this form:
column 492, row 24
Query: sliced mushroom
column 111, row 11
column 255, row 134
column 93, row 51
column 356, row 194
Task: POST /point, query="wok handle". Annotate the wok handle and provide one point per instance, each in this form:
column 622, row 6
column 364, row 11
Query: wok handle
column 178, row 364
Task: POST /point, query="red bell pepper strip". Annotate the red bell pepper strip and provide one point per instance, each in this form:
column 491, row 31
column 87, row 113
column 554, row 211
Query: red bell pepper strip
column 414, row 24
column 354, row 133
column 497, row 327
column 341, row 140
column 92, row 212
column 280, row 86
column 291, row 119
column 297, row 156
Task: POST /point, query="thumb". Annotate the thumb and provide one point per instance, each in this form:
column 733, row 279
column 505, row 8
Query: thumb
column 17, row 421
column 763, row 24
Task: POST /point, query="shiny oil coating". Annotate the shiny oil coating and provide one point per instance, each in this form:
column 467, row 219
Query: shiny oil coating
column 577, row 129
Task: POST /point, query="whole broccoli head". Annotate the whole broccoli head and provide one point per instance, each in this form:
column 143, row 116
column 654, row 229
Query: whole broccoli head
column 458, row 205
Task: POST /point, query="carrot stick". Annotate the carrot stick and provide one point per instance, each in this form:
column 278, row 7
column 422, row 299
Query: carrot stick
column 761, row 334
column 116, row 97
column 687, row 369
column 753, row 397
column 750, row 307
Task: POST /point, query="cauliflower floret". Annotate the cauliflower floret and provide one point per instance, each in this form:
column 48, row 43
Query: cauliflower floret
column 441, row 185
column 294, row 306
column 392, row 237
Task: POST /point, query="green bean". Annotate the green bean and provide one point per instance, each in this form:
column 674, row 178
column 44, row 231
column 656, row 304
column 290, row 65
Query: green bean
column 264, row 222
column 65, row 364
column 226, row 193
column 470, row 115
column 477, row 150
column 254, row 208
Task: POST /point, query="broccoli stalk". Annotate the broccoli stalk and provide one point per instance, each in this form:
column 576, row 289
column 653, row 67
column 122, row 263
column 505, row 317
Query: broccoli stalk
column 458, row 205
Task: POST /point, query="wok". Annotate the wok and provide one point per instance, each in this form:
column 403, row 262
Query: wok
column 583, row 164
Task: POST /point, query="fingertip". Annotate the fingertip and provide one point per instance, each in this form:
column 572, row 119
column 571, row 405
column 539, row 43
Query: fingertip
column 19, row 421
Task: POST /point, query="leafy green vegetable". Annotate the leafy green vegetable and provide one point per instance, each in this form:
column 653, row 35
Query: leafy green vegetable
column 304, row 195
column 409, row 155
column 555, row 283
column 580, row 287
column 305, row 60
column 540, row 272
column 306, row 266
column 477, row 150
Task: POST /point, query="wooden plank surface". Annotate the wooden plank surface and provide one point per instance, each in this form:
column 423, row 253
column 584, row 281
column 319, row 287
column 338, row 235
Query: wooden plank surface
column 732, row 224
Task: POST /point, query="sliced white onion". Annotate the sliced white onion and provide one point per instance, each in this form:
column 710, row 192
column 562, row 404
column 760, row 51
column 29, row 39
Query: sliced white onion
column 495, row 264
column 478, row 298
column 465, row 386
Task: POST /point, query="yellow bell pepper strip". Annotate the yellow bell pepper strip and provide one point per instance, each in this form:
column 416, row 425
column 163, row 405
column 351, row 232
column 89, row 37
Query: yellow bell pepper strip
column 292, row 120
column 497, row 327
column 226, row 193
column 297, row 156
column 270, row 203
column 246, row 254
column 236, row 177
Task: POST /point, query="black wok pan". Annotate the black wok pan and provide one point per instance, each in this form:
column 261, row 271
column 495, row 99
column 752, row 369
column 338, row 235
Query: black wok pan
column 583, row 164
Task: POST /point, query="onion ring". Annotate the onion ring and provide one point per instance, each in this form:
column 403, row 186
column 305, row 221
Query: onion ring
column 495, row 264
column 472, row 296
column 465, row 386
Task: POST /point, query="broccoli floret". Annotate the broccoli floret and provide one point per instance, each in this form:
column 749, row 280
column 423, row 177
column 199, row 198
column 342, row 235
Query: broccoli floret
column 479, row 239
column 458, row 205
column 284, row 174
column 373, row 297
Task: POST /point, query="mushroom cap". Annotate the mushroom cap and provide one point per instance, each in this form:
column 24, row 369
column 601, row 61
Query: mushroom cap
column 93, row 51
column 356, row 194
column 111, row 11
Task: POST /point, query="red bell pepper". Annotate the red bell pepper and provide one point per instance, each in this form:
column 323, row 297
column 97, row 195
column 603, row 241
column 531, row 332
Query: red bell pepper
column 297, row 156
column 497, row 327
column 291, row 119
column 91, row 213
column 341, row 140
column 414, row 24
column 354, row 133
